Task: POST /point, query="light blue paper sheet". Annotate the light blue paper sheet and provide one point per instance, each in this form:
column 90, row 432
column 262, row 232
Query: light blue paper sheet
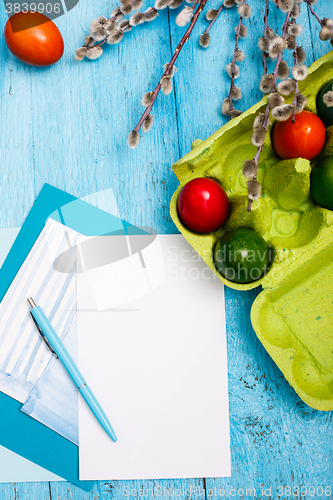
column 23, row 354
column 16, row 469
column 19, row 432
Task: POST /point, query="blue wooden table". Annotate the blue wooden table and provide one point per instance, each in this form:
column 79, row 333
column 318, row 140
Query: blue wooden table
column 68, row 124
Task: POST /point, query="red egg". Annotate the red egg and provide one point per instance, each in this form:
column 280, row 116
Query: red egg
column 203, row 205
column 305, row 138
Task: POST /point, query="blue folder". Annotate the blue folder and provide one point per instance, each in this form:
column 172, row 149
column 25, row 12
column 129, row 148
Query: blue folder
column 19, row 432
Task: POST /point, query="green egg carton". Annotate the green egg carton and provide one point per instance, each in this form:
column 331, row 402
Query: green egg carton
column 293, row 315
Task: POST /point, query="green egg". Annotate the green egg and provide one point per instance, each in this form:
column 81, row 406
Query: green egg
column 325, row 112
column 322, row 183
column 242, row 255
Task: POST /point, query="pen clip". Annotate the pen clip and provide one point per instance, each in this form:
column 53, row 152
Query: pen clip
column 43, row 336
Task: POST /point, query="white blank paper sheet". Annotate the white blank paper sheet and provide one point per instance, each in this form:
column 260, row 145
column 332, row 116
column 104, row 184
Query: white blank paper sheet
column 158, row 367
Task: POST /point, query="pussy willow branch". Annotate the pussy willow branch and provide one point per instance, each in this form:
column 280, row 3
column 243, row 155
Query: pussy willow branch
column 213, row 21
column 264, row 53
column 296, row 82
column 172, row 62
column 233, row 63
column 313, row 13
column 90, row 39
column 102, row 42
column 113, row 18
column 279, row 58
column 267, row 110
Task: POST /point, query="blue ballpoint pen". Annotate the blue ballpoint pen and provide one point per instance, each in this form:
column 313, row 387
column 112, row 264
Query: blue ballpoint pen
column 57, row 348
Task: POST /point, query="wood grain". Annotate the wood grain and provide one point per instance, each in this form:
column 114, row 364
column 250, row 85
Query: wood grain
column 68, row 124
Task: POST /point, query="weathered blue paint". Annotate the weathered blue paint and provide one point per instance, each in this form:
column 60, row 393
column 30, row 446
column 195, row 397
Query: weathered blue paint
column 68, row 125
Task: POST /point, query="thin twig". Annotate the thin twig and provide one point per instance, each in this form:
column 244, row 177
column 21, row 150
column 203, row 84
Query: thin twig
column 114, row 18
column 279, row 58
column 233, row 63
column 264, row 53
column 213, row 21
column 296, row 82
column 172, row 62
column 90, row 39
column 267, row 110
column 102, row 42
column 313, row 13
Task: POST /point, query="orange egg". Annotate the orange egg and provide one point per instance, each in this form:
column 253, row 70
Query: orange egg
column 34, row 39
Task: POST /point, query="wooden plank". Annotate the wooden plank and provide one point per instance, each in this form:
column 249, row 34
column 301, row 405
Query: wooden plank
column 322, row 9
column 16, row 151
